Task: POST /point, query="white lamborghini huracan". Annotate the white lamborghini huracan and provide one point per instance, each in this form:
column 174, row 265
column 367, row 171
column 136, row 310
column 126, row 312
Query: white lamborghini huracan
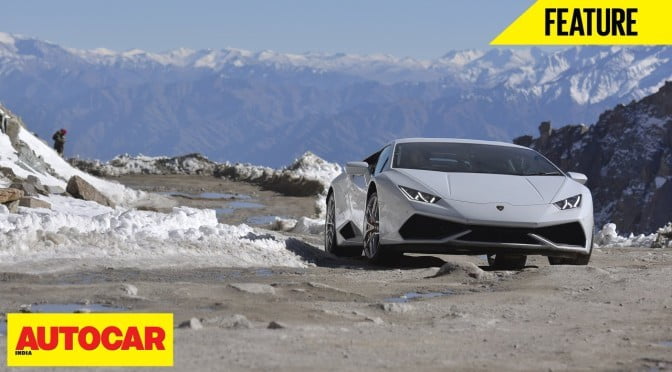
column 428, row 195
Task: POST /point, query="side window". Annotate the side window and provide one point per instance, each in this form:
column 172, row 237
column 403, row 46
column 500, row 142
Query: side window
column 383, row 159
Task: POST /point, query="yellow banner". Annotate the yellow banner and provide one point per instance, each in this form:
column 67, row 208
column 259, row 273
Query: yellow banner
column 591, row 22
column 103, row 339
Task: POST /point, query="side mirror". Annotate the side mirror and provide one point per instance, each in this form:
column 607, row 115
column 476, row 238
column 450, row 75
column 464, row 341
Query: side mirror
column 357, row 168
column 578, row 177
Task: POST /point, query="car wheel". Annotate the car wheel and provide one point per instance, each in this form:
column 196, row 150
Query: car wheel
column 507, row 262
column 330, row 242
column 374, row 251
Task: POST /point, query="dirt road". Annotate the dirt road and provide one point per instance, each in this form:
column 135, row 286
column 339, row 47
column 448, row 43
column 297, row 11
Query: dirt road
column 430, row 313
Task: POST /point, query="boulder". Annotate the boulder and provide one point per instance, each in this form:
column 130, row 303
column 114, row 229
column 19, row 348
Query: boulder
column 34, row 203
column 81, row 189
column 27, row 188
column 13, row 206
column 7, row 172
column 54, row 189
column 10, row 194
column 37, row 184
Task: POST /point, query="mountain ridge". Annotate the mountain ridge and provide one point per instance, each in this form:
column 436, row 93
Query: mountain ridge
column 268, row 107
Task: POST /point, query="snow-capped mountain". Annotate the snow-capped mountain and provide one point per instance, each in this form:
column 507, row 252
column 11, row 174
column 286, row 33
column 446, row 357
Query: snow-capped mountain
column 627, row 156
column 268, row 107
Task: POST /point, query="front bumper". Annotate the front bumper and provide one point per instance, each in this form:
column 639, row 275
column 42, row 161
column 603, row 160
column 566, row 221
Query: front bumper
column 542, row 229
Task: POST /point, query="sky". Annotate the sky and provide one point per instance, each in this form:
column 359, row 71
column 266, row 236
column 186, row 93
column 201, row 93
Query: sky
column 420, row 29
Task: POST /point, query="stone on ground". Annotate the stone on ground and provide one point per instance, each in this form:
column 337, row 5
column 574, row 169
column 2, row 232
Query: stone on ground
column 254, row 288
column 79, row 188
column 34, row 203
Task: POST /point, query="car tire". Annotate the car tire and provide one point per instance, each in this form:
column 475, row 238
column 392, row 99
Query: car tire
column 330, row 241
column 507, row 262
column 374, row 251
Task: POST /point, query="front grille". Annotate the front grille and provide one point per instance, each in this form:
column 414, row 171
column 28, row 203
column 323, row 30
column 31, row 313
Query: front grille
column 427, row 228
column 420, row 227
column 491, row 234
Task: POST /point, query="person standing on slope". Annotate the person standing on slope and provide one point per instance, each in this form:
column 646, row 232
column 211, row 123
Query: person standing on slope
column 59, row 140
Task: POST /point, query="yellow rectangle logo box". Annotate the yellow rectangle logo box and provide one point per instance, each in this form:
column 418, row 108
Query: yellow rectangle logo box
column 82, row 340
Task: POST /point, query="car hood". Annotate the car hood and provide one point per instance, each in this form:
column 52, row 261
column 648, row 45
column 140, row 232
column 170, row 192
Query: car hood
column 488, row 188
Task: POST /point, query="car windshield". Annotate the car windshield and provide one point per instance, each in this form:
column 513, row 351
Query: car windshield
column 472, row 158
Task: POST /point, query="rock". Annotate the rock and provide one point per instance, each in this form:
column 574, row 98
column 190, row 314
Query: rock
column 193, row 323
column 545, row 129
column 395, row 307
column 523, row 140
column 54, row 189
column 10, row 195
column 8, row 173
column 129, row 290
column 463, row 268
column 235, row 321
column 13, row 206
column 81, row 189
column 27, row 188
column 663, row 237
column 254, row 288
column 12, row 130
column 276, row 325
column 375, row 320
column 33, row 180
column 37, row 184
column 25, row 308
column 34, row 203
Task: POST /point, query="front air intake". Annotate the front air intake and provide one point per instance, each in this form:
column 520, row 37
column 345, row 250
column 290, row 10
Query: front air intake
column 420, row 227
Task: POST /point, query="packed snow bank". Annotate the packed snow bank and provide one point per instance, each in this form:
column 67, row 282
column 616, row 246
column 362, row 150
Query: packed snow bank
column 31, row 156
column 608, row 237
column 307, row 176
column 78, row 229
column 158, row 165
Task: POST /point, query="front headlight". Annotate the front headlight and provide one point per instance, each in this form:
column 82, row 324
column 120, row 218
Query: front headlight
column 569, row 203
column 415, row 195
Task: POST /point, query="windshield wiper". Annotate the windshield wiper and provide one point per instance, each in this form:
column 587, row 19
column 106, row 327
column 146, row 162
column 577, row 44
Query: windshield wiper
column 545, row 174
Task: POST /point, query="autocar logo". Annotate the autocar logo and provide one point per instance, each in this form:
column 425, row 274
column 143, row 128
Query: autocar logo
column 500, row 207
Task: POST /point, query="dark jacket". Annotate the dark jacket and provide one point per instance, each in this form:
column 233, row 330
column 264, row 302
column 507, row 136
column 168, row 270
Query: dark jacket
column 58, row 138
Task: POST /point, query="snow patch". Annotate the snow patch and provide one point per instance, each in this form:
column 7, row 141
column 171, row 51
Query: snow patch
column 78, row 229
column 608, row 237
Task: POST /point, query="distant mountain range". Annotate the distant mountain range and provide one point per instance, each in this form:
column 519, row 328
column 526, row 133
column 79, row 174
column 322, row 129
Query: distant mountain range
column 268, row 108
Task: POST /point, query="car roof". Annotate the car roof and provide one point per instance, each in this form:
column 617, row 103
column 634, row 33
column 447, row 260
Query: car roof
column 454, row 140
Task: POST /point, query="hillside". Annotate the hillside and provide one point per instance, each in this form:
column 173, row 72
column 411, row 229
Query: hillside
column 627, row 156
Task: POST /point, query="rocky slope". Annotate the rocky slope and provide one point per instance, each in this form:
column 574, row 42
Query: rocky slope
column 627, row 156
column 268, row 108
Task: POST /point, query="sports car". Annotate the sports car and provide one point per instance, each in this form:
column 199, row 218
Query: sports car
column 454, row 196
